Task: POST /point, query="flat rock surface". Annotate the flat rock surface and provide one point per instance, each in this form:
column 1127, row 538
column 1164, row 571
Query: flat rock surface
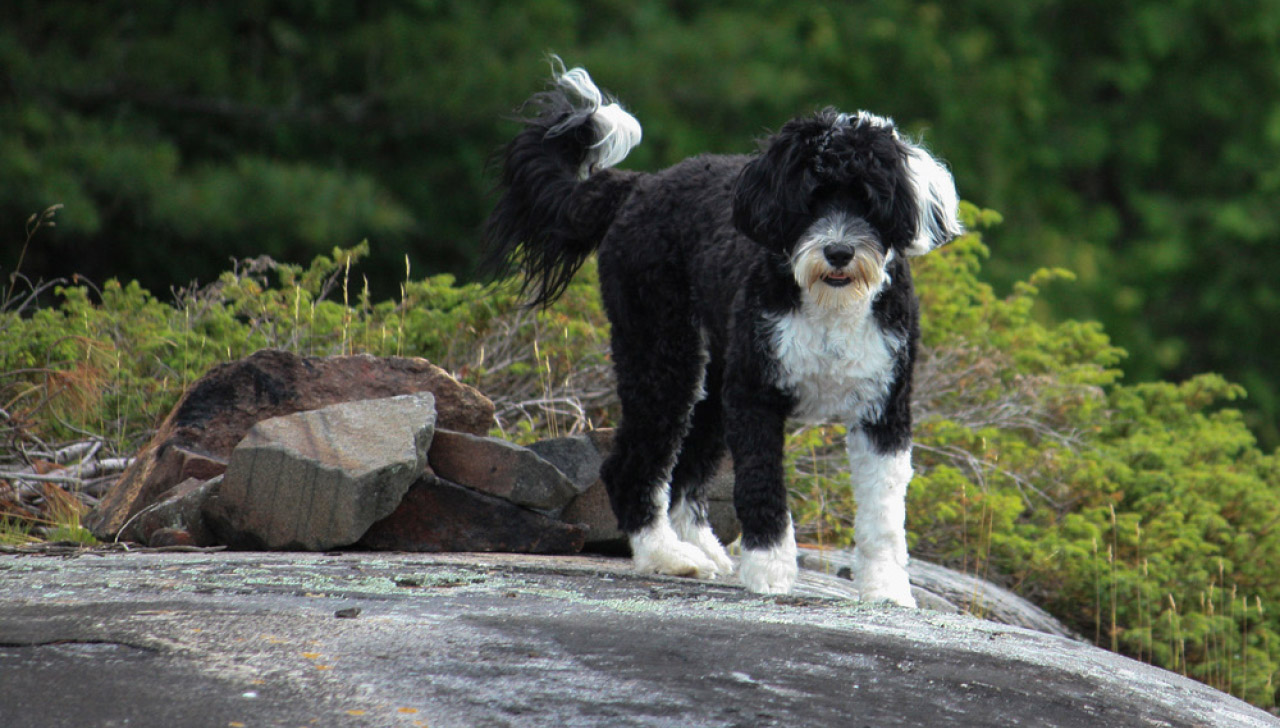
column 221, row 639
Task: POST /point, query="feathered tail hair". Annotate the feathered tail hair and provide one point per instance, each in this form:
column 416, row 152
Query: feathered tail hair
column 558, row 196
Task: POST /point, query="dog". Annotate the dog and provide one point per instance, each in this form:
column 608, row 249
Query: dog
column 742, row 291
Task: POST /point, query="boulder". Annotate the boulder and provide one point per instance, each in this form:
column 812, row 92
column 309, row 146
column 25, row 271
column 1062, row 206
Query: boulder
column 437, row 515
column 177, row 510
column 211, row 418
column 502, row 469
column 510, row 639
column 317, row 480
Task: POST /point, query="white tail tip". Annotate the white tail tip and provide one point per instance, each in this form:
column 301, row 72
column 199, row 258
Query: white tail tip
column 618, row 132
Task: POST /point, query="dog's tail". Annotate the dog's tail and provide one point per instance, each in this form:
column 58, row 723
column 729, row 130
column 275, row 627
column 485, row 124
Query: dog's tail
column 558, row 196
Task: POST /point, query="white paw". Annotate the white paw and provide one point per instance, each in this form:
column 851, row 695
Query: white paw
column 772, row 570
column 715, row 551
column 900, row 596
column 689, row 530
column 884, row 583
column 658, row 550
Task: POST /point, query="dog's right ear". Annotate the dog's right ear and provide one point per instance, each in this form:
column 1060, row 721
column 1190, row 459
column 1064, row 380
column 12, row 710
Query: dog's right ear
column 774, row 193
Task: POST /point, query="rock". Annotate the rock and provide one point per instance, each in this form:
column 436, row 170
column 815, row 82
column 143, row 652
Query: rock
column 593, row 511
column 162, row 537
column 437, row 515
column 580, row 457
column 576, row 456
column 946, row 590
column 197, row 437
column 317, row 480
column 502, row 639
column 502, row 469
column 178, row 509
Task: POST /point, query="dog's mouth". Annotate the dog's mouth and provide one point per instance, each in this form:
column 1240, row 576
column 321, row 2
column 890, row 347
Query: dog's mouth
column 837, row 280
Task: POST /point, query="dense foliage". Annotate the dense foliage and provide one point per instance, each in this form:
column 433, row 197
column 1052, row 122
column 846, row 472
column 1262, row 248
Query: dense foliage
column 1135, row 143
column 1144, row 515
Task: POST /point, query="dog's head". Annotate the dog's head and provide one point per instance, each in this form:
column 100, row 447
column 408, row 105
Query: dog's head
column 840, row 195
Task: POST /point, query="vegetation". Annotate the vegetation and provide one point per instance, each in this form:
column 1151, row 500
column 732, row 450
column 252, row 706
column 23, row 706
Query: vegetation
column 1135, row 143
column 1144, row 515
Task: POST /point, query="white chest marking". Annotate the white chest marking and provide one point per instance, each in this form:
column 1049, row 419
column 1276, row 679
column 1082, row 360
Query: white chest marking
column 838, row 364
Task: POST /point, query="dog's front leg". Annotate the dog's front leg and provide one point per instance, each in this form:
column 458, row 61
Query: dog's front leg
column 880, row 489
column 755, row 435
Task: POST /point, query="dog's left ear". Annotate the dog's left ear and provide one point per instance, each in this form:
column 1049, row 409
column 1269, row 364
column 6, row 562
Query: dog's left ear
column 938, row 206
column 775, row 191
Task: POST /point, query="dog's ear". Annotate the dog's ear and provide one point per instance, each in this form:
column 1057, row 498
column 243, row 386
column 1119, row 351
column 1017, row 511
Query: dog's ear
column 937, row 205
column 773, row 197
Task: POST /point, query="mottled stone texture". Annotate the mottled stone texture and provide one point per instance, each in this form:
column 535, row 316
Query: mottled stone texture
column 317, row 480
column 197, row 437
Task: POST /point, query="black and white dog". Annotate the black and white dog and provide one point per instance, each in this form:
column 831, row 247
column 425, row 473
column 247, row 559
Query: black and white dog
column 742, row 291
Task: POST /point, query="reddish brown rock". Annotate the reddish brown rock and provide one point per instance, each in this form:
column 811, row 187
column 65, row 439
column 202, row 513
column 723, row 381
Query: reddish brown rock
column 172, row 537
column 592, row 511
column 197, row 438
column 177, row 509
column 436, row 515
column 502, row 469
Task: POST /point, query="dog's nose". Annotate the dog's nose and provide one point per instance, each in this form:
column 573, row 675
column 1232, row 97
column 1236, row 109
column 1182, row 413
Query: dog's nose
column 837, row 254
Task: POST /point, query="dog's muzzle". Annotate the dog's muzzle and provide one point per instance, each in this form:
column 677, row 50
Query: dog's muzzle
column 835, row 274
column 838, row 256
column 839, row 261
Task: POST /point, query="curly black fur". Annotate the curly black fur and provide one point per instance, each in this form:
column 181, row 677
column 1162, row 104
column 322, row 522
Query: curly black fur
column 699, row 280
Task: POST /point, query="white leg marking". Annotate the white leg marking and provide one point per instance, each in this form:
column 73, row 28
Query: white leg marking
column 772, row 570
column 690, row 529
column 880, row 489
column 657, row 549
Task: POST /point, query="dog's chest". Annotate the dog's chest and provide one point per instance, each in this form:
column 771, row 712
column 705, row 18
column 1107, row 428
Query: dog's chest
column 838, row 366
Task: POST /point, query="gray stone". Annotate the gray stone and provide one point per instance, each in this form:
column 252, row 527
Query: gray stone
column 317, row 480
column 576, row 456
column 502, row 469
column 506, row 640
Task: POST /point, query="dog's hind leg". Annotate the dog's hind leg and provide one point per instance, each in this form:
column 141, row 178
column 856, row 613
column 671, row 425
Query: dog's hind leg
column 700, row 455
column 659, row 361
